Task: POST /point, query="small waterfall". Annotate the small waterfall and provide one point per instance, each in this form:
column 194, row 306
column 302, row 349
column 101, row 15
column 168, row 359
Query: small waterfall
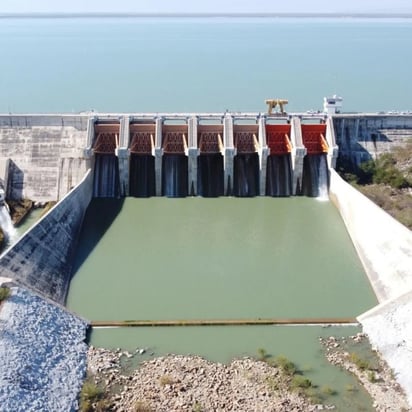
column 315, row 179
column 279, row 176
column 6, row 225
column 323, row 180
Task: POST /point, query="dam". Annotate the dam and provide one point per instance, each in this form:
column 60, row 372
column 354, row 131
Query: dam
column 173, row 155
column 124, row 159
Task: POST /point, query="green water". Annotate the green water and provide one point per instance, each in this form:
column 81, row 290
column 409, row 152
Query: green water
column 199, row 258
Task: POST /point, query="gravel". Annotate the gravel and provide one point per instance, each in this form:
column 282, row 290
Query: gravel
column 42, row 355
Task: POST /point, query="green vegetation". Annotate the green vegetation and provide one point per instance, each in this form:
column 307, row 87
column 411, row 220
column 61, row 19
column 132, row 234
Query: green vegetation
column 351, row 388
column 293, row 379
column 272, row 383
column 166, row 380
column 197, row 407
column 361, row 364
column 4, row 293
column 92, row 397
column 287, row 366
column 300, row 382
column 383, row 170
column 372, row 377
column 327, row 390
column 263, row 355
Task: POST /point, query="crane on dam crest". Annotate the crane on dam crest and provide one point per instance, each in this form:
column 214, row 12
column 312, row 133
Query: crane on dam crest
column 272, row 103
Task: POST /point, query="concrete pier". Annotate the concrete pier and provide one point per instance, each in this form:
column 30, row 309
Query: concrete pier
column 192, row 153
column 298, row 153
column 158, row 152
column 229, row 154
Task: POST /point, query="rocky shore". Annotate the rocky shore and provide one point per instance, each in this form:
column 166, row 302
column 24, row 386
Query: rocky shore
column 370, row 369
column 190, row 383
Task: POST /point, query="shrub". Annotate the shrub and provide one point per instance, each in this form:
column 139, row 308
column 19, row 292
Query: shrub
column 361, row 364
column 197, row 407
column 366, row 172
column 287, row 366
column 90, row 394
column 263, row 355
column 300, row 382
column 382, row 170
column 4, row 293
column 372, row 377
column 166, row 380
column 327, row 390
column 351, row 388
column 272, row 383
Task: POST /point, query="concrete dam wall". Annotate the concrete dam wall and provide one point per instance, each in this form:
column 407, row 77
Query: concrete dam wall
column 42, row 259
column 44, row 155
column 362, row 137
column 242, row 154
column 210, row 154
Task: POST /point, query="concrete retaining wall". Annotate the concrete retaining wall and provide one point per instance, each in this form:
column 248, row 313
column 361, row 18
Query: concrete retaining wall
column 383, row 244
column 42, row 258
column 389, row 329
column 41, row 150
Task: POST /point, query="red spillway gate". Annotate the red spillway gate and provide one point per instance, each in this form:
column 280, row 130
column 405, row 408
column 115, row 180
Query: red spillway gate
column 142, row 138
column 106, row 138
column 278, row 138
column 174, row 139
column 313, row 136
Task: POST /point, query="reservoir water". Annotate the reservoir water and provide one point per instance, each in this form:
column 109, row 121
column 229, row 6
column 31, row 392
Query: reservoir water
column 155, row 65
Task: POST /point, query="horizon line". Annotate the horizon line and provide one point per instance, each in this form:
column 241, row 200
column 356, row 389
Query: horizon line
column 205, row 15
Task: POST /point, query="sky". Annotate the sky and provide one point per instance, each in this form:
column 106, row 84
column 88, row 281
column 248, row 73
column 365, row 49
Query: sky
column 211, row 6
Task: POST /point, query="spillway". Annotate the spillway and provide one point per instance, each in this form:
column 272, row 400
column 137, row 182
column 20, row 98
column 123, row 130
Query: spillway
column 142, row 175
column 106, row 176
column 226, row 155
column 210, row 178
column 315, row 176
column 279, row 176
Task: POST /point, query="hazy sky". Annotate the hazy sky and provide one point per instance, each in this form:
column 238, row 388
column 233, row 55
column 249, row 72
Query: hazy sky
column 196, row 6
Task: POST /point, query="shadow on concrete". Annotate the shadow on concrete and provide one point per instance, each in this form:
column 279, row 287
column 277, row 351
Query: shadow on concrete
column 15, row 182
column 99, row 216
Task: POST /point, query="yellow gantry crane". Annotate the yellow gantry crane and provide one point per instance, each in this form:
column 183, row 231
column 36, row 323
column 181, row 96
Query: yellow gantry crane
column 272, row 103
